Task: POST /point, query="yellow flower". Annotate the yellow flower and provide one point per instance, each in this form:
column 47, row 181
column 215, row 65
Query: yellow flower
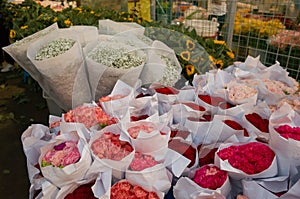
column 230, row 54
column 185, row 55
column 67, row 22
column 211, row 58
column 24, row 27
column 190, row 69
column 92, row 12
column 219, row 42
column 190, row 44
column 12, row 34
column 130, row 19
column 55, row 19
column 219, row 63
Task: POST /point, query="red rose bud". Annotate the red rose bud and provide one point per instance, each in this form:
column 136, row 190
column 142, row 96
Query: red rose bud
column 258, row 122
column 236, row 126
column 167, row 90
column 183, row 148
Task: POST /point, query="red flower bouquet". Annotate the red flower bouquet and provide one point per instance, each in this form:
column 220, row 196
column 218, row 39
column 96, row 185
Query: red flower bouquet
column 287, row 132
column 109, row 146
column 167, row 90
column 89, row 116
column 194, row 106
column 208, row 157
column 210, row 177
column 215, row 101
column 236, row 126
column 258, row 122
column 204, row 118
column 179, row 133
column 83, row 191
column 141, row 162
column 123, row 189
column 61, row 155
column 187, row 150
column 134, row 118
column 251, row 158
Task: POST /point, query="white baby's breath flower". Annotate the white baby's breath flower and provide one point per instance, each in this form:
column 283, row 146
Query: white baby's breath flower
column 54, row 48
column 170, row 74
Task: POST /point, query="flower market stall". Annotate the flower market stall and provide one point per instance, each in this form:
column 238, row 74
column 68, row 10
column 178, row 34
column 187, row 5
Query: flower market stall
column 154, row 112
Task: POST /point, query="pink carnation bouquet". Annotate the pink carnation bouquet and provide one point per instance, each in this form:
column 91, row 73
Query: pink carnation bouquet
column 253, row 159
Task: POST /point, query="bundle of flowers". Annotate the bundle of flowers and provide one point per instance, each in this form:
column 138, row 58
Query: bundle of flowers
column 206, row 155
column 61, row 155
column 285, row 38
column 184, row 148
column 167, row 90
column 142, row 161
column 279, row 87
column 179, row 133
column 109, row 146
column 210, row 177
column 287, row 132
column 252, row 159
column 89, row 116
column 193, row 106
column 258, row 122
column 239, row 93
column 123, row 189
column 135, row 130
column 236, row 126
column 215, row 101
column 83, row 191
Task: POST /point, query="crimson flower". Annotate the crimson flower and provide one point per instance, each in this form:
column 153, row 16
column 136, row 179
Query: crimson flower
column 287, row 131
column 194, row 106
column 251, row 158
column 83, row 191
column 236, row 126
column 258, row 122
column 209, row 158
column 210, row 177
column 215, row 101
column 167, row 90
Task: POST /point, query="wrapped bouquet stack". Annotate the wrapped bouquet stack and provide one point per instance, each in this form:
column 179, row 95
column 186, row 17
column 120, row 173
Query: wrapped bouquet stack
column 234, row 131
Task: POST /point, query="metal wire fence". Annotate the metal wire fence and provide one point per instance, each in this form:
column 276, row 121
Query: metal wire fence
column 268, row 28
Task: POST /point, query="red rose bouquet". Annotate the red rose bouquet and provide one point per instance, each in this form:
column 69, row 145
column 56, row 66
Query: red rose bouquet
column 123, row 189
column 206, row 154
column 236, row 126
column 215, row 101
column 289, row 132
column 259, row 122
column 186, row 149
column 252, row 159
column 83, row 191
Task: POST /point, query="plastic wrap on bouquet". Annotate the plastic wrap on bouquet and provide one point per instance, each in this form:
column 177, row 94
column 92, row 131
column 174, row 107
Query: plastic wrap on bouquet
column 149, row 171
column 256, row 120
column 109, row 27
column 270, row 165
column 117, row 102
column 18, row 51
column 65, row 73
column 66, row 173
column 269, row 188
column 162, row 65
column 86, row 34
column 118, row 156
column 187, row 188
column 287, row 147
column 184, row 109
column 146, row 137
column 111, row 60
column 95, row 185
column 33, row 138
